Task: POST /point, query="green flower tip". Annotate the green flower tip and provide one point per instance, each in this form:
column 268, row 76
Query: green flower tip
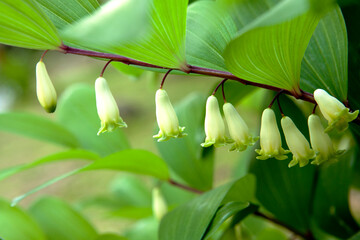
column 297, row 143
column 107, row 108
column 214, row 125
column 270, row 138
column 321, row 142
column 166, row 118
column 238, row 129
column 45, row 90
column 334, row 111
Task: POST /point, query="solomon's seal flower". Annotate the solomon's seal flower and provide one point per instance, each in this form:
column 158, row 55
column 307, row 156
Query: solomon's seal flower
column 270, row 139
column 239, row 131
column 107, row 108
column 45, row 90
column 334, row 111
column 297, row 143
column 214, row 124
column 321, row 142
column 159, row 205
column 166, row 118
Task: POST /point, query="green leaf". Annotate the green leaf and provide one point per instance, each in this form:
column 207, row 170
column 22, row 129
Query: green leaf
column 110, row 237
column 60, row 221
column 144, row 229
column 325, row 62
column 355, row 237
column 186, row 158
column 190, row 221
column 67, row 155
column 37, row 127
column 132, row 212
column 76, row 111
column 17, row 225
column 288, row 187
column 209, row 29
column 108, row 26
column 331, row 201
column 135, row 161
column 272, row 55
column 23, row 24
column 64, row 13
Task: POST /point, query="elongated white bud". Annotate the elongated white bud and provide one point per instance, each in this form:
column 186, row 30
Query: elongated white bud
column 334, row 111
column 214, row 124
column 166, row 118
column 270, row 138
column 159, row 205
column 297, row 143
column 239, row 131
column 321, row 142
column 45, row 90
column 107, row 108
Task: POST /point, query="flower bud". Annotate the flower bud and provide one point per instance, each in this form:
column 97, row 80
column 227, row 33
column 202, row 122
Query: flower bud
column 334, row 111
column 297, row 143
column 321, row 142
column 107, row 108
column 159, row 205
column 214, row 124
column 166, row 118
column 270, row 139
column 239, row 131
column 45, row 90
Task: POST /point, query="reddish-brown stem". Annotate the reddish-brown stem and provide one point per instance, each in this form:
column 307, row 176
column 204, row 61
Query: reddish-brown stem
column 165, row 76
column 276, row 97
column 305, row 96
column 314, row 109
column 43, row 55
column 103, row 70
column 187, row 188
column 280, row 109
column 223, row 90
column 217, row 87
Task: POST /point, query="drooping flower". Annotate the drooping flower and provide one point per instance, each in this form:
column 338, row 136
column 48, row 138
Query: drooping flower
column 297, row 143
column 45, row 90
column 239, row 131
column 214, row 125
column 166, row 118
column 321, row 142
column 270, row 139
column 334, row 111
column 159, row 205
column 107, row 108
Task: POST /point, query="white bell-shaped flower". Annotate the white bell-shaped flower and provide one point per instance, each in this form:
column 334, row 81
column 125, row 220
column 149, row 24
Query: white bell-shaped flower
column 214, row 125
column 159, row 206
column 321, row 142
column 297, row 143
column 45, row 90
column 107, row 108
column 334, row 111
column 270, row 138
column 239, row 131
column 166, row 118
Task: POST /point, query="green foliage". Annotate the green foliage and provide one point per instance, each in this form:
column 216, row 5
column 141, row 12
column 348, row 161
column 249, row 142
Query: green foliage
column 60, row 221
column 190, row 221
column 37, row 127
column 15, row 224
column 23, row 24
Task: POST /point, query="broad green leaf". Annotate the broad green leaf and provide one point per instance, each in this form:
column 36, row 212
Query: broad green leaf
column 108, row 26
column 325, row 62
column 190, row 221
column 132, row 212
column 144, row 229
column 225, row 212
column 234, row 92
column 135, row 161
column 127, row 69
column 61, row 156
column 23, row 24
column 287, row 187
column 37, row 127
column 60, row 221
column 15, row 224
column 110, row 236
column 272, row 55
column 76, row 111
column 331, row 201
column 186, row 158
column 209, row 29
column 64, row 13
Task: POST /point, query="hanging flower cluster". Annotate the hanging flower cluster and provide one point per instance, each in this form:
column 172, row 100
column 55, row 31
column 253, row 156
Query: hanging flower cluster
column 334, row 111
